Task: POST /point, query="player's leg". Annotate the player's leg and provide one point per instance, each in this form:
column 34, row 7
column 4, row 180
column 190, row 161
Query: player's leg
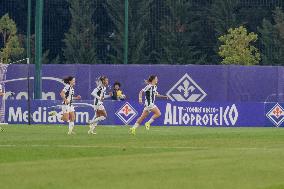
column 142, row 117
column 65, row 117
column 101, row 115
column 71, row 120
column 139, row 121
column 157, row 113
column 92, row 123
column 65, row 113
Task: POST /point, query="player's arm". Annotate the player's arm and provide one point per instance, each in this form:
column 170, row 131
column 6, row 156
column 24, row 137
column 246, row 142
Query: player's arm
column 62, row 94
column 107, row 95
column 161, row 96
column 140, row 96
column 141, row 93
column 1, row 91
column 78, row 97
column 95, row 93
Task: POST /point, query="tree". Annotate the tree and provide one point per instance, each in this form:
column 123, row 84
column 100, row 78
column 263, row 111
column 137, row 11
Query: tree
column 11, row 44
column 279, row 22
column 80, row 44
column 138, row 12
column 178, row 32
column 272, row 39
column 222, row 16
column 236, row 47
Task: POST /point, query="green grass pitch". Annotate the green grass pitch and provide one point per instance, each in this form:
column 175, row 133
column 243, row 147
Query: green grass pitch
column 44, row 157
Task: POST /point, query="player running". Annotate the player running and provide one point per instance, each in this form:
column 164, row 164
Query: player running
column 99, row 94
column 150, row 94
column 67, row 94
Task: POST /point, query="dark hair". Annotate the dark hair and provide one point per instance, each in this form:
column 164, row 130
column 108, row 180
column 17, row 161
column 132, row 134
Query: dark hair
column 67, row 80
column 117, row 83
column 151, row 78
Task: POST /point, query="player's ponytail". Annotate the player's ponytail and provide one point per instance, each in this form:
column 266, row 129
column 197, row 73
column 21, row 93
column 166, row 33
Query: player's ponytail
column 150, row 79
column 67, row 80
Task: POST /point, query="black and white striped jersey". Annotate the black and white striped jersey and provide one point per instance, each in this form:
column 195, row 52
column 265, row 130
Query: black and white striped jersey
column 99, row 93
column 69, row 94
column 150, row 94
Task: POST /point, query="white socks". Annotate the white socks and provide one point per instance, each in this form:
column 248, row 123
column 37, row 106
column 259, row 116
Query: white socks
column 151, row 121
column 98, row 119
column 71, row 126
column 93, row 126
column 136, row 125
column 94, row 122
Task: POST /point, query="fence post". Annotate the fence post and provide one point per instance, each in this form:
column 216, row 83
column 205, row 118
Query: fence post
column 29, row 29
column 125, row 32
column 38, row 50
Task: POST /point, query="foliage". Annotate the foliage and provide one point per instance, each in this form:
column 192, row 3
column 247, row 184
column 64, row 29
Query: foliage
column 236, row 47
column 80, row 44
column 137, row 32
column 152, row 29
column 178, row 31
column 272, row 39
column 223, row 15
column 11, row 44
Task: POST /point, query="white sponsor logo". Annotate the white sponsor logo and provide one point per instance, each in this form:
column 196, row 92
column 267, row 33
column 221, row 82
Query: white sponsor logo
column 276, row 115
column 126, row 113
column 201, row 116
column 42, row 114
column 186, row 89
column 23, row 95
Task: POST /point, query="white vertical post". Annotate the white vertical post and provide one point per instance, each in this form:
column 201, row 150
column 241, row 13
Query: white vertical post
column 29, row 92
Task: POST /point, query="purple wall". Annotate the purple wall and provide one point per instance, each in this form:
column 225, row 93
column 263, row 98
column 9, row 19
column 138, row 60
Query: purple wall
column 191, row 83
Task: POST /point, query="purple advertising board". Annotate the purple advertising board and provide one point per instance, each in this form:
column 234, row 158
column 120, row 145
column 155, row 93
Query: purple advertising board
column 198, row 95
column 189, row 83
column 172, row 113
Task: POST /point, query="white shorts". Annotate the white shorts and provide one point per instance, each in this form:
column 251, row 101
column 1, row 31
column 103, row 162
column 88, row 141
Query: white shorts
column 67, row 109
column 99, row 107
column 150, row 107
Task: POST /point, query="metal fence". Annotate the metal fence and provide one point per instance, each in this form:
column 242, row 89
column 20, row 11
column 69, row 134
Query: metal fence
column 154, row 31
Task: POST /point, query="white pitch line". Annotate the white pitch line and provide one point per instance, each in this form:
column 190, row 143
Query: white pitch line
column 8, row 145
column 130, row 147
column 135, row 147
column 93, row 146
column 86, row 146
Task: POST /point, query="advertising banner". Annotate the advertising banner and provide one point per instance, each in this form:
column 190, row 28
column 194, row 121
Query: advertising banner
column 173, row 113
